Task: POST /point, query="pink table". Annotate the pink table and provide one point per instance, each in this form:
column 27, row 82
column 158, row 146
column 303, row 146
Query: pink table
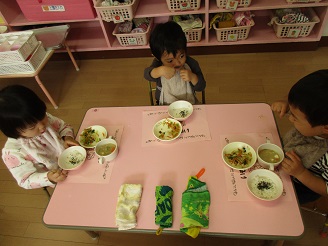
column 90, row 203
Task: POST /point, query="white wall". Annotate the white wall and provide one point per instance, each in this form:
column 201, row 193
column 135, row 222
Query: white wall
column 325, row 30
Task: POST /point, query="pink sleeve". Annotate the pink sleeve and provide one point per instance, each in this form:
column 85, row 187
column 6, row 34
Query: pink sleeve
column 60, row 126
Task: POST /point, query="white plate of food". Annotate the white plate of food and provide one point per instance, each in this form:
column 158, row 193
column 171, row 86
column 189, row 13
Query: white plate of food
column 91, row 135
column 264, row 184
column 180, row 110
column 167, row 129
column 72, row 158
column 239, row 155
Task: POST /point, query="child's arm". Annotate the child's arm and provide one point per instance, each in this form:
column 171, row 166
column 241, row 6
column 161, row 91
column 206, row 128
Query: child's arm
column 293, row 166
column 281, row 107
column 167, row 72
column 22, row 168
column 200, row 84
column 64, row 130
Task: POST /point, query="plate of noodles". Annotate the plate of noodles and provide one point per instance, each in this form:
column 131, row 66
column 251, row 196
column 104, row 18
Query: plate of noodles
column 91, row 135
column 239, row 155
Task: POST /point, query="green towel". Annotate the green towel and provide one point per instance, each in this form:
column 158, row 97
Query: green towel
column 163, row 212
column 195, row 207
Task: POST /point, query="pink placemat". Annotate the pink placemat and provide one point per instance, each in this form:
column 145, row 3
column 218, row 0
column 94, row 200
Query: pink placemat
column 92, row 171
column 195, row 128
column 236, row 181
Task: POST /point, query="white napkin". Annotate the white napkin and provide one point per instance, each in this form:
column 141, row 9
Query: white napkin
column 127, row 206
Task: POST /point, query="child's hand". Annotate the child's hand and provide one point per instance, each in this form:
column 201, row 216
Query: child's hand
column 69, row 141
column 188, row 76
column 57, row 175
column 280, row 107
column 293, row 164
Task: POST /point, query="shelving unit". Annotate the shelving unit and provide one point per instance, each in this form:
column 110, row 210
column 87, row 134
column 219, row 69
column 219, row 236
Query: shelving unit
column 96, row 34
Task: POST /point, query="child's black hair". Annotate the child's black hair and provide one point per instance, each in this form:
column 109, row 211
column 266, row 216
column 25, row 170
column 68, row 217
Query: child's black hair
column 310, row 96
column 167, row 37
column 20, row 107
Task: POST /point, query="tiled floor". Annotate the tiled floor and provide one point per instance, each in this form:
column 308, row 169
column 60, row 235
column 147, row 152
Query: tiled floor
column 231, row 78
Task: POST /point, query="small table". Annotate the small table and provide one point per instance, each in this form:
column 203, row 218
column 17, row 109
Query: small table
column 35, row 74
column 90, row 204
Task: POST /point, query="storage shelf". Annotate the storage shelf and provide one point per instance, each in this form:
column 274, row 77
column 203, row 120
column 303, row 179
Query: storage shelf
column 95, row 34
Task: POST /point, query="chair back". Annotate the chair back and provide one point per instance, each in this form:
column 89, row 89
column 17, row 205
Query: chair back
column 152, row 89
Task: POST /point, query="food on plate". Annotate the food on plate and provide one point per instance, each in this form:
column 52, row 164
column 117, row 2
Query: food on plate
column 89, row 136
column 173, row 130
column 263, row 187
column 74, row 157
column 106, row 149
column 239, row 158
column 269, row 155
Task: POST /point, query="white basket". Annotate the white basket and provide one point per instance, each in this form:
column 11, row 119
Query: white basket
column 298, row 29
column 28, row 66
column 117, row 13
column 23, row 52
column 132, row 39
column 303, row 1
column 233, row 33
column 195, row 35
column 242, row 3
column 178, row 5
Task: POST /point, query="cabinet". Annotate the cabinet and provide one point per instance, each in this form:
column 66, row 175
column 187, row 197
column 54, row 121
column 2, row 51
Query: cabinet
column 95, row 34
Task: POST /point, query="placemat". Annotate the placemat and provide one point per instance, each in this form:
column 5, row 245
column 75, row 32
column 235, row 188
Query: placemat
column 195, row 128
column 92, row 171
column 236, row 181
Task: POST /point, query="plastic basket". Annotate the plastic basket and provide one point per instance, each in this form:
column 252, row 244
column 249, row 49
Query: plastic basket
column 232, row 33
column 303, row 1
column 178, row 5
column 117, row 13
column 242, row 3
column 132, row 39
column 195, row 35
column 298, row 29
column 28, row 66
column 25, row 49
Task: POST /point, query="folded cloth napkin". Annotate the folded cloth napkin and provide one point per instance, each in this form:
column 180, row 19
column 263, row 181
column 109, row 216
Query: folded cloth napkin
column 309, row 149
column 195, row 207
column 127, row 206
column 163, row 212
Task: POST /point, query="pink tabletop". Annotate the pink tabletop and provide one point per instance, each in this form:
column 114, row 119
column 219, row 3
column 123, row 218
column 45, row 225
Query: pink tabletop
column 91, row 203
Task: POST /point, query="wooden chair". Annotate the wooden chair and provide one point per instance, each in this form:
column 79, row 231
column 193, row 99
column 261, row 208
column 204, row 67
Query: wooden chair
column 152, row 89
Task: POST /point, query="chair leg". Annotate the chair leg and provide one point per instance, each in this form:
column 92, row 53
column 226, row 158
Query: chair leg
column 324, row 231
column 94, row 235
column 47, row 192
column 203, row 97
column 71, row 56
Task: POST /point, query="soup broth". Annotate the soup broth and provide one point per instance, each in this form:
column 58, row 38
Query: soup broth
column 269, row 155
column 106, row 149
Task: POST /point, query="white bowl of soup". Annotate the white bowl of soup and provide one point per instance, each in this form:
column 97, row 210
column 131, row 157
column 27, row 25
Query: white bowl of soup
column 106, row 150
column 269, row 155
column 239, row 155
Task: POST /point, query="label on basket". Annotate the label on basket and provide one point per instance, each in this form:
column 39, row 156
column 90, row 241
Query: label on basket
column 232, row 37
column 132, row 41
column 303, row 1
column 293, row 33
column 53, row 8
column 117, row 18
column 232, row 4
column 185, row 5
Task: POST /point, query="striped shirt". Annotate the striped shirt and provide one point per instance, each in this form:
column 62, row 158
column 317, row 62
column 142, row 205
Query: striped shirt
column 320, row 168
